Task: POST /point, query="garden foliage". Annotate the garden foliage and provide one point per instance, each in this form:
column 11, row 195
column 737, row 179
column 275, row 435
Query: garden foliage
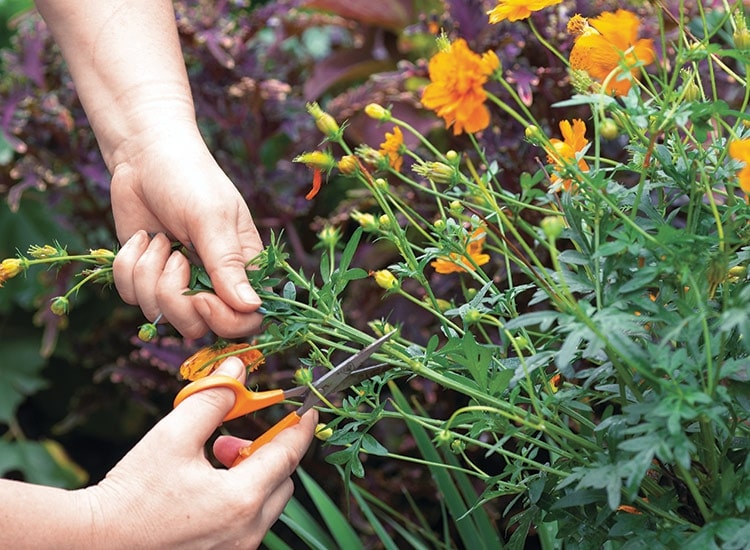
column 550, row 208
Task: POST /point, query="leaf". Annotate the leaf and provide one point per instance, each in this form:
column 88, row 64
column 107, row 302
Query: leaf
column 20, row 372
column 371, row 446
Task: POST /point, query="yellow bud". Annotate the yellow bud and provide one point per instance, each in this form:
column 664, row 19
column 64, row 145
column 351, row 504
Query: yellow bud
column 325, row 122
column 10, row 267
column 378, row 112
column 451, row 156
column 741, row 34
column 46, row 251
column 147, row 332
column 608, row 129
column 366, row 221
column 322, row 432
column 348, row 165
column 329, row 235
column 103, row 256
column 384, row 221
column 317, row 159
column 385, row 279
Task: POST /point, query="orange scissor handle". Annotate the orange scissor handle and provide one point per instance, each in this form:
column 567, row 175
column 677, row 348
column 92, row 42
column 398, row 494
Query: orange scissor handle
column 245, row 400
column 292, row 419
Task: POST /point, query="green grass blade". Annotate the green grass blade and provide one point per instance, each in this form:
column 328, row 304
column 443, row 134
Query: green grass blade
column 337, row 523
column 302, row 524
column 375, row 523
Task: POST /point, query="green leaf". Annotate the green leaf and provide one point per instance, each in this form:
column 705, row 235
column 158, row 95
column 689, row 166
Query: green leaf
column 371, row 446
column 20, row 372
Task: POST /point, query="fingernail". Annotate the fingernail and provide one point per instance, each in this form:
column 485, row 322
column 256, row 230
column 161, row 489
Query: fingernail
column 231, row 366
column 247, row 294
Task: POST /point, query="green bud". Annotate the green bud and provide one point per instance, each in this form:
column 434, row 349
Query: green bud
column 60, row 306
column 147, row 332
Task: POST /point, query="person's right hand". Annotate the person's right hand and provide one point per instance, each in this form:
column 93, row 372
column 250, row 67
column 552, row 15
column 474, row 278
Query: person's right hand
column 166, row 494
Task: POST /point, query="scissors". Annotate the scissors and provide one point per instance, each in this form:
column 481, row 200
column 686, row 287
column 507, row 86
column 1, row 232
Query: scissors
column 345, row 374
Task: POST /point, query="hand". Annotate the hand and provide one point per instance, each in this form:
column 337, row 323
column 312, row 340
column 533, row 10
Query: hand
column 173, row 186
column 166, row 494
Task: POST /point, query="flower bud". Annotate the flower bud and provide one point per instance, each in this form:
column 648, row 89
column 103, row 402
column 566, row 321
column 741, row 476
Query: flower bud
column 348, row 165
column 10, row 267
column 384, row 221
column 46, row 251
column 59, row 306
column 451, row 156
column 552, row 226
column 103, row 256
column 382, row 184
column 317, row 159
column 323, row 432
column 608, row 129
column 456, row 207
column 457, row 446
column 439, row 224
column 741, row 35
column 385, row 279
column 533, row 134
column 329, row 235
column 366, row 221
column 303, row 376
column 378, row 112
column 325, row 122
column 436, row 171
column 147, row 332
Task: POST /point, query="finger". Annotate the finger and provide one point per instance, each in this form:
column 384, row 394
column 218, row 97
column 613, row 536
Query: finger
column 178, row 307
column 196, row 418
column 227, row 447
column 225, row 251
column 124, row 264
column 223, row 320
column 146, row 273
column 276, row 502
column 280, row 457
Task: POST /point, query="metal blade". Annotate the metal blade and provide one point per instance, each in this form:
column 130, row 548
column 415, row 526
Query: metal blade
column 338, row 377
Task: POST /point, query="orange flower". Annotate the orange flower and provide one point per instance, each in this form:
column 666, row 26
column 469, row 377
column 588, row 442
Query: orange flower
column 455, row 92
column 206, row 360
column 564, row 151
column 740, row 150
column 9, row 268
column 513, row 10
column 456, row 263
column 316, row 183
column 605, row 44
column 391, row 148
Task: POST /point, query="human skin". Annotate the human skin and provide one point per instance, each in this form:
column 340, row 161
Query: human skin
column 130, row 75
column 165, row 493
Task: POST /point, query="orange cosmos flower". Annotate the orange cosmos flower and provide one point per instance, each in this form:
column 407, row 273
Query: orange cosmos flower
column 391, row 148
column 206, row 360
column 606, row 43
column 564, row 151
column 513, row 10
column 740, row 150
column 456, row 92
column 457, row 263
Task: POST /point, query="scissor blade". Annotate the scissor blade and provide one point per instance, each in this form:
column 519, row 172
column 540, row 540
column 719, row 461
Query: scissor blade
column 360, row 375
column 338, row 377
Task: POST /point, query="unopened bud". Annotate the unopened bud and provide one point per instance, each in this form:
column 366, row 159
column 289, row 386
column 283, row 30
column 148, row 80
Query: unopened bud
column 317, row 159
column 103, row 256
column 365, row 220
column 385, row 279
column 348, row 165
column 552, row 227
column 325, row 122
column 377, row 112
column 10, row 267
column 303, row 376
column 147, row 332
column 59, row 306
column 323, row 432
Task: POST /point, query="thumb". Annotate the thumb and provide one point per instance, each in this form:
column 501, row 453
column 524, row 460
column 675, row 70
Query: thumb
column 195, row 419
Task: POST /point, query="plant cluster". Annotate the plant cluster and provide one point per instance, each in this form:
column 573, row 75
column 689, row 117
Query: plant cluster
column 584, row 312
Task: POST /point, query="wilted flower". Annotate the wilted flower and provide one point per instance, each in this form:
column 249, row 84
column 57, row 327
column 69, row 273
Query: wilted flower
column 391, row 148
column 456, row 92
column 456, row 263
column 318, row 161
column 604, row 44
column 103, row 256
column 564, row 152
column 513, row 10
column 46, row 251
column 206, row 360
column 740, row 150
column 436, row 171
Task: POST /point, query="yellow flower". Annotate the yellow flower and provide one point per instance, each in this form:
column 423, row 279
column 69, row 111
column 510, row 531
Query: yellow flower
column 457, row 263
column 456, row 92
column 9, row 268
column 385, row 279
column 564, row 151
column 206, row 360
column 606, row 43
column 740, row 150
column 391, row 148
column 513, row 10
